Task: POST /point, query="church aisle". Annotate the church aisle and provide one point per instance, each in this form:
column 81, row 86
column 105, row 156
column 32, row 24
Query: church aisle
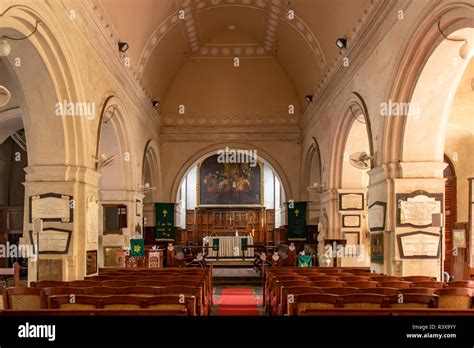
column 237, row 301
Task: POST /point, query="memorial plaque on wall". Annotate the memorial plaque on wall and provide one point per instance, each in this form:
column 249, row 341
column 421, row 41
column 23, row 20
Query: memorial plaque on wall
column 92, row 221
column 51, row 207
column 352, row 238
column 419, row 245
column 350, row 220
column 51, row 241
column 351, row 201
column 376, row 247
column 376, row 215
column 416, row 209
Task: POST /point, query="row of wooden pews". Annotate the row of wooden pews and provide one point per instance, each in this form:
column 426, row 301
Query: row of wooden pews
column 305, row 291
column 118, row 291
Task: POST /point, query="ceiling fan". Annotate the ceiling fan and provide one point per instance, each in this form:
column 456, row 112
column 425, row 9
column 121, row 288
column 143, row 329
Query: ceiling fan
column 316, row 188
column 104, row 162
column 146, row 188
column 360, row 160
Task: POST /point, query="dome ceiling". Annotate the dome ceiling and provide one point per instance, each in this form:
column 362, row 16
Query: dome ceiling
column 166, row 35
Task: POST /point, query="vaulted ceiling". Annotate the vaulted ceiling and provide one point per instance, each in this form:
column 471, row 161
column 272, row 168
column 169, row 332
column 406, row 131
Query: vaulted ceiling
column 167, row 37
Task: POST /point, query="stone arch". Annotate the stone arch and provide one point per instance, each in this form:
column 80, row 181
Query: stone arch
column 354, row 108
column 312, row 167
column 151, row 169
column 113, row 140
column 48, row 65
column 421, row 58
column 203, row 153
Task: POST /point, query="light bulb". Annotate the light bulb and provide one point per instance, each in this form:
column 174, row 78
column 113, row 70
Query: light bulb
column 5, row 48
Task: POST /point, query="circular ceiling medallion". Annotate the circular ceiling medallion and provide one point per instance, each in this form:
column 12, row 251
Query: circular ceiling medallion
column 225, row 120
column 249, row 51
column 5, row 96
column 174, row 19
column 246, row 2
column 186, row 3
column 201, row 120
column 201, row 5
column 204, row 51
column 214, row 51
column 180, row 120
column 300, row 26
column 232, row 27
column 225, row 51
column 213, row 120
column 260, row 51
column 215, row 2
column 238, row 51
column 153, row 41
column 190, row 120
column 163, row 28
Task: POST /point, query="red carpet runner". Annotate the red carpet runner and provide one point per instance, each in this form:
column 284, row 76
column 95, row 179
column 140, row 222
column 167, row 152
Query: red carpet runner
column 238, row 301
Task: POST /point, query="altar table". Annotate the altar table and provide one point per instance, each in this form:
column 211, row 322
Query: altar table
column 229, row 246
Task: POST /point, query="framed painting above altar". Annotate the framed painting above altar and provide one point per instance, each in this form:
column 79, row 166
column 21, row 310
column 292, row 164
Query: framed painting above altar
column 229, row 184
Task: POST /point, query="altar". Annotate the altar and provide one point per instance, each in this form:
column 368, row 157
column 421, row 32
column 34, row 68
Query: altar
column 229, row 246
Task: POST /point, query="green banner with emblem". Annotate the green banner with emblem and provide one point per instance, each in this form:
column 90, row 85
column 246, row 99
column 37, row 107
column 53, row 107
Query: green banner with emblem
column 296, row 221
column 164, row 221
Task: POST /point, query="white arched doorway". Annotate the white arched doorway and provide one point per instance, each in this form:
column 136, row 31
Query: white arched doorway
column 269, row 206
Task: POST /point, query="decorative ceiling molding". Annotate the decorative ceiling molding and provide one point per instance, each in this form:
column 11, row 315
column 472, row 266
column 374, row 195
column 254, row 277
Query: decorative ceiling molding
column 248, row 119
column 273, row 19
column 300, row 26
column 275, row 15
column 232, row 50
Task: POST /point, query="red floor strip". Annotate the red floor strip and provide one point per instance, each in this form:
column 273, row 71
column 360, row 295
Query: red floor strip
column 238, row 302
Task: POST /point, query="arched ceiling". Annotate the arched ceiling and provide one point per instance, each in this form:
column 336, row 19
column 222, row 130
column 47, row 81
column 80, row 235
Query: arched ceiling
column 161, row 42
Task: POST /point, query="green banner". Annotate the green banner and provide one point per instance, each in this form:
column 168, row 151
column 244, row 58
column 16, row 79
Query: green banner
column 137, row 247
column 164, row 221
column 296, row 221
column 305, row 261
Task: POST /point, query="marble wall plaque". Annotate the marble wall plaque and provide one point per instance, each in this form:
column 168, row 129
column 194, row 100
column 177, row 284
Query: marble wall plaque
column 352, row 238
column 459, row 238
column 51, row 241
column 417, row 209
column 350, row 220
column 92, row 221
column 351, row 201
column 376, row 216
column 419, row 245
column 51, row 207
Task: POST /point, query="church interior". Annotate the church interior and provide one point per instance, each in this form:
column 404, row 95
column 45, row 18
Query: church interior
column 263, row 158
